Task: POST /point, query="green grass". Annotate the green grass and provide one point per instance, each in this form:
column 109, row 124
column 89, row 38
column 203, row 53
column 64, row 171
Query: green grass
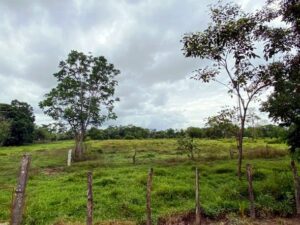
column 56, row 192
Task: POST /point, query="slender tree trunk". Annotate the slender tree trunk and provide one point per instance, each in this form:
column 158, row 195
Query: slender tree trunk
column 297, row 186
column 79, row 147
column 192, row 150
column 192, row 154
column 240, row 148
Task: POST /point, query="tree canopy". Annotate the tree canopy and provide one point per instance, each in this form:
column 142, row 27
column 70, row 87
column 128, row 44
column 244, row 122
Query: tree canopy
column 283, row 105
column 229, row 42
column 84, row 94
column 17, row 121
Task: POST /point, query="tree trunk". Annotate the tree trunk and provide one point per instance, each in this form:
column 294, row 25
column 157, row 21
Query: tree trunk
column 79, row 147
column 192, row 150
column 297, row 186
column 240, row 148
column 192, row 154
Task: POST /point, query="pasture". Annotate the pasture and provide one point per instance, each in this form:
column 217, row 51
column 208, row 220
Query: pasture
column 57, row 194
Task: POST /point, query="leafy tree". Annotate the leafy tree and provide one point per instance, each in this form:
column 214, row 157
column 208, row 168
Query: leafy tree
column 96, row 134
column 194, row 132
column 21, row 119
column 252, row 119
column 283, row 104
column 42, row 134
column 188, row 145
column 83, row 95
column 5, row 127
column 229, row 43
column 222, row 125
column 171, row 133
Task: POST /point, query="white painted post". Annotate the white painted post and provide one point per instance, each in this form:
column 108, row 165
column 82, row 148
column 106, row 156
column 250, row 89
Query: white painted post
column 69, row 157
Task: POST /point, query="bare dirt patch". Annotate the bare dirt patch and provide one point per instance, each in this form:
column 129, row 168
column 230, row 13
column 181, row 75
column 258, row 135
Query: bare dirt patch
column 52, row 171
column 189, row 218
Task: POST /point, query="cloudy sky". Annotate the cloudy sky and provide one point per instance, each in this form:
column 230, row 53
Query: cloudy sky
column 140, row 37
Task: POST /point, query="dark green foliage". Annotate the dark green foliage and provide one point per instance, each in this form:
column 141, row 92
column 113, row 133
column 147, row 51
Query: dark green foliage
column 283, row 104
column 5, row 128
column 194, row 132
column 19, row 122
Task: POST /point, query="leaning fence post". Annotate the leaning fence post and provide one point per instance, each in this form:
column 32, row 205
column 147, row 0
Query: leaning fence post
column 250, row 191
column 197, row 198
column 19, row 199
column 69, row 157
column 89, row 219
column 148, row 196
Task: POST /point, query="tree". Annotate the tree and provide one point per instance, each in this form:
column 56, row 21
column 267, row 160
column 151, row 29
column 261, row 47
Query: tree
column 283, row 104
column 229, row 43
column 20, row 117
column 5, row 127
column 194, row 132
column 222, row 125
column 43, row 133
column 252, row 118
column 84, row 94
column 188, row 145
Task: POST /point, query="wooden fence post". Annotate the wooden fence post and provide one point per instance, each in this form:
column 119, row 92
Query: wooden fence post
column 148, row 196
column 69, row 157
column 133, row 157
column 197, row 198
column 231, row 153
column 250, row 191
column 297, row 185
column 89, row 219
column 19, row 199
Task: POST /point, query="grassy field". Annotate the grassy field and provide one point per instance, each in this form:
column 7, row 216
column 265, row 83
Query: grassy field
column 57, row 193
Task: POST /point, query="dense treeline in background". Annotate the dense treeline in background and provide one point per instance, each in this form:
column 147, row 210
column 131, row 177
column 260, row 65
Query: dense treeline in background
column 18, row 127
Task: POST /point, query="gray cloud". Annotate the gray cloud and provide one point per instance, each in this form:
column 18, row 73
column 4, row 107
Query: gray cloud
column 142, row 39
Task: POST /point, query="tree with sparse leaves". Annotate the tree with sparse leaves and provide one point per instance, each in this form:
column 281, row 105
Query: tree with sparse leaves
column 229, row 43
column 84, row 95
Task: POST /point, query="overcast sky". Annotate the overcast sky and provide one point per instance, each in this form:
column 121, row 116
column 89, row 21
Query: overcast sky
column 140, row 37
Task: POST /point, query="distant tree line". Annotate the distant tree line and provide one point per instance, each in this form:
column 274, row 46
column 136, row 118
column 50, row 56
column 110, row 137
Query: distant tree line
column 214, row 132
column 17, row 127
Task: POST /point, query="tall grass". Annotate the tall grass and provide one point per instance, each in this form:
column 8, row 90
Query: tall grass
column 57, row 193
